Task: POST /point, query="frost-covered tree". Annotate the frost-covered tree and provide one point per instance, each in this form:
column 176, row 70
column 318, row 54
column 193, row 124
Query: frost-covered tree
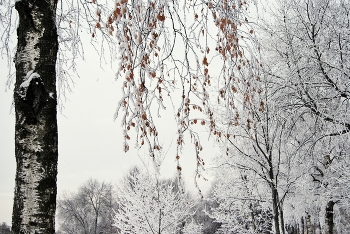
column 193, row 227
column 258, row 155
column 89, row 211
column 244, row 203
column 307, row 54
column 148, row 204
column 202, row 215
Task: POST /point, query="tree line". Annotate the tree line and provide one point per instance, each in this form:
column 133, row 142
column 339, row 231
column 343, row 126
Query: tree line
column 140, row 203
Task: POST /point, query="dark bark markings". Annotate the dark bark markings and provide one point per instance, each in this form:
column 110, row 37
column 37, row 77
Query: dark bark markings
column 36, row 122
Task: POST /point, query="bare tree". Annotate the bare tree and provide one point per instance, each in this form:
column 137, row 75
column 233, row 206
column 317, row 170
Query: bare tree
column 5, row 229
column 257, row 148
column 308, row 57
column 89, row 211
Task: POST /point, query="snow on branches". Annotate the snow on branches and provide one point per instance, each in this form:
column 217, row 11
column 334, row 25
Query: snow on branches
column 176, row 53
column 148, row 204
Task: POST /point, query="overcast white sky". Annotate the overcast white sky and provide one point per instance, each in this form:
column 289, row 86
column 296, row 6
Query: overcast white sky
column 90, row 142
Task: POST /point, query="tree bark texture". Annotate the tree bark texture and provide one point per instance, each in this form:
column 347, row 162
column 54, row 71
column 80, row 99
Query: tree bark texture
column 329, row 222
column 302, row 225
column 309, row 227
column 282, row 219
column 36, row 134
column 275, row 210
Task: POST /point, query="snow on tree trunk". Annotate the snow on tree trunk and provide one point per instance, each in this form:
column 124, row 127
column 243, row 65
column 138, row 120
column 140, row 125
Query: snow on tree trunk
column 36, row 122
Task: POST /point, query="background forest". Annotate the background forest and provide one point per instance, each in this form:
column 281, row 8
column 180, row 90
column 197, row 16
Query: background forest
column 271, row 88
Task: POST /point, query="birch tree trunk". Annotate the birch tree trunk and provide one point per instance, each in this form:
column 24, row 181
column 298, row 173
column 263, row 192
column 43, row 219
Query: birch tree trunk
column 36, row 122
